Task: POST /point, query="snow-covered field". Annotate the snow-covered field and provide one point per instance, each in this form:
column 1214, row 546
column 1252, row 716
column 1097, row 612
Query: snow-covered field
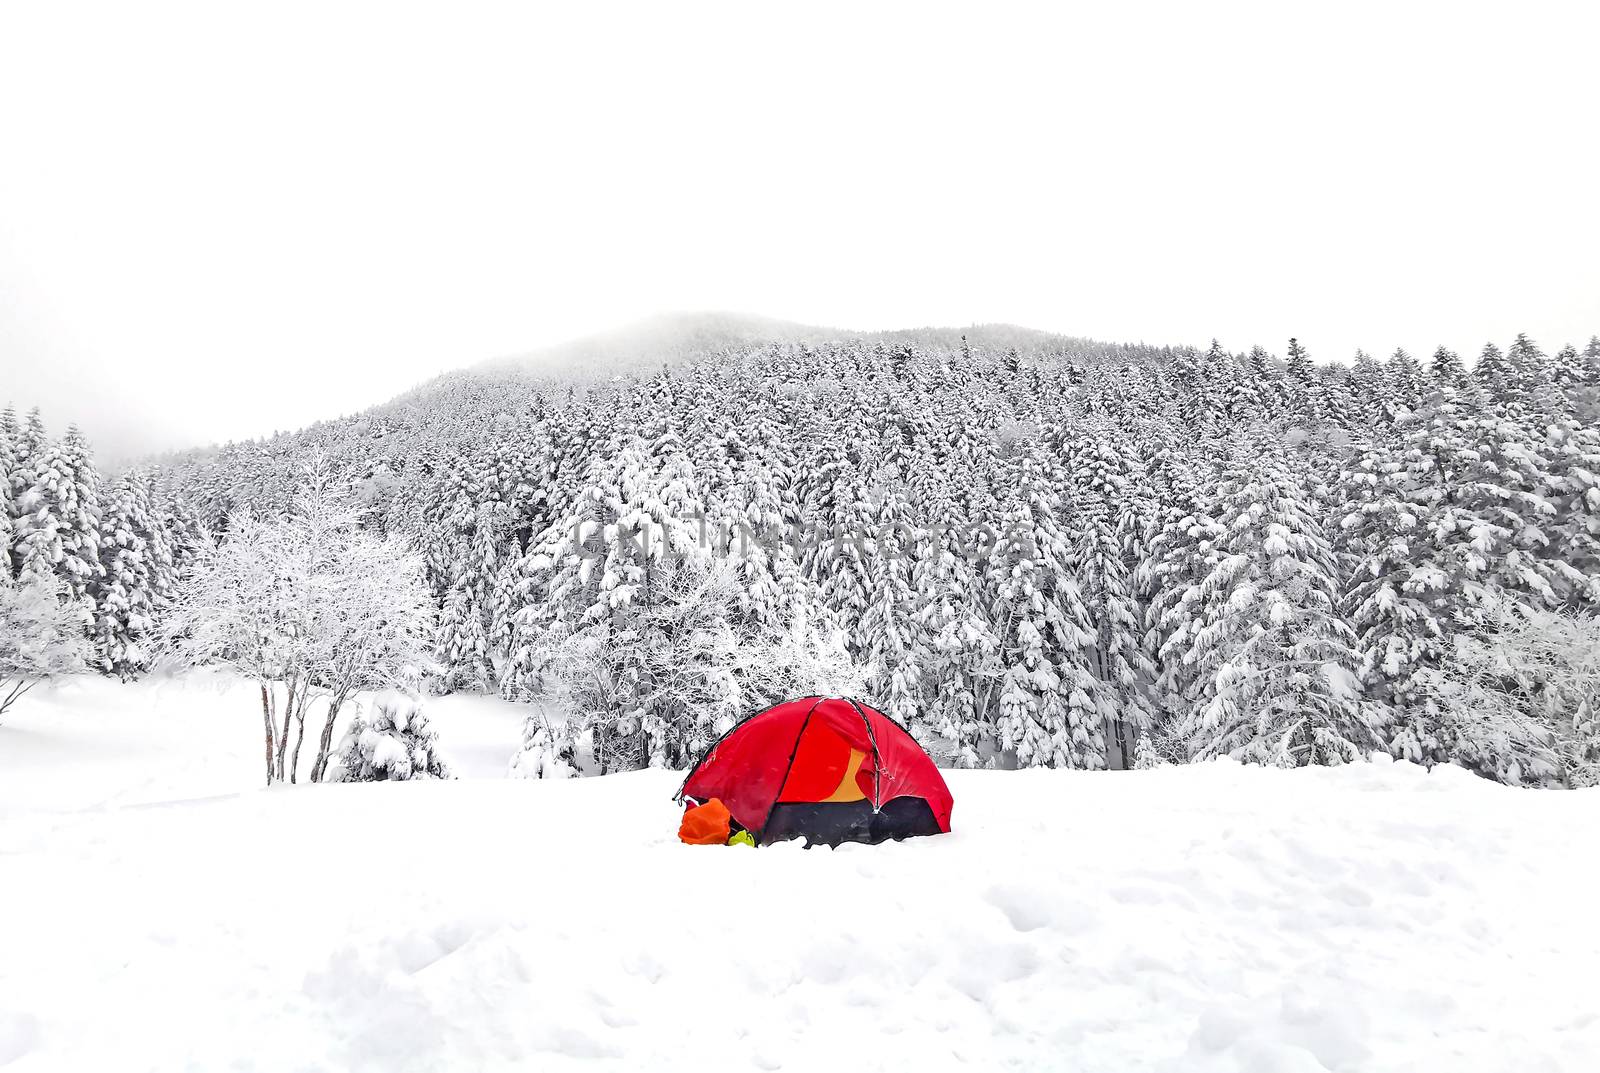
column 160, row 911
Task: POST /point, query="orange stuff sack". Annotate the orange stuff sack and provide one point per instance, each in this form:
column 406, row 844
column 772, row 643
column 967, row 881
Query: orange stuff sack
column 705, row 825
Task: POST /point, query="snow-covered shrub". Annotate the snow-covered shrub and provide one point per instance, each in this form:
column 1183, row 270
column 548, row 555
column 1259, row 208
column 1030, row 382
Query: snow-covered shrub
column 547, row 751
column 393, row 744
column 1145, row 754
column 41, row 636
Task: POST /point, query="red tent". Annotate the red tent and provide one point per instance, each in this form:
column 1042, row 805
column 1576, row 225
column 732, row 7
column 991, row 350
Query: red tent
column 827, row 769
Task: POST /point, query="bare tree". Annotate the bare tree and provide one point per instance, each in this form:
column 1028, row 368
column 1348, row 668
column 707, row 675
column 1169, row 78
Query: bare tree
column 241, row 608
column 312, row 608
column 374, row 625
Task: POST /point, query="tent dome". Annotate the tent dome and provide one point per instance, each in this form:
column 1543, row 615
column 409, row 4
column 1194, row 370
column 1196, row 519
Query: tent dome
column 826, row 769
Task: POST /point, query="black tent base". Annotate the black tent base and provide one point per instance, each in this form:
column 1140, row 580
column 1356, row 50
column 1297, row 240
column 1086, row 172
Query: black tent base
column 830, row 823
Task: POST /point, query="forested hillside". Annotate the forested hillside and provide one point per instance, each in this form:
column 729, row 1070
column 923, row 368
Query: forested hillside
column 1031, row 550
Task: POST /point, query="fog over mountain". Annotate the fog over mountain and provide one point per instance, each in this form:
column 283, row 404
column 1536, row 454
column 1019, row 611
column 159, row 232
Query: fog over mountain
column 193, row 248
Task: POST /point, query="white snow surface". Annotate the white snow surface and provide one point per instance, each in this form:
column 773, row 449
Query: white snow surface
column 160, row 911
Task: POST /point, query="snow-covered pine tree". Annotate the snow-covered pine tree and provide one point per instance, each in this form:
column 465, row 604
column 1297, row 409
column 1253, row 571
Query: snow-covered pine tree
column 1276, row 679
column 134, row 563
column 1343, row 410
column 1259, row 362
column 1046, row 706
column 888, row 632
column 24, row 446
column 10, row 433
column 59, row 531
column 1263, row 379
column 181, row 537
column 1306, row 394
column 462, row 644
column 624, row 589
column 1447, row 525
column 1123, row 672
column 1567, row 368
column 1400, row 616
column 1242, row 400
column 763, row 515
column 838, row 546
column 1494, row 375
column 959, row 641
column 1536, row 379
column 1570, row 481
column 556, row 598
column 1203, row 378
column 1449, row 371
column 1369, row 388
column 8, row 505
column 1528, row 364
column 1406, row 379
column 1297, row 367
column 678, row 655
column 394, row 743
column 1183, row 551
column 32, row 441
column 1488, row 480
column 1106, row 516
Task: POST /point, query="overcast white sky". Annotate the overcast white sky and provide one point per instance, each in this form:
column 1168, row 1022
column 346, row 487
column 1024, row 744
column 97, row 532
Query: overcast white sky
column 221, row 219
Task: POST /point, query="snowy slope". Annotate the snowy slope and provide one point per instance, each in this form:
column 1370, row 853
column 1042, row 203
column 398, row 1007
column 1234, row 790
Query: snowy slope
column 1206, row 918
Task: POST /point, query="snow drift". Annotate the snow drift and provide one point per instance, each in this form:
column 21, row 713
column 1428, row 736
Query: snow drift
column 1213, row 918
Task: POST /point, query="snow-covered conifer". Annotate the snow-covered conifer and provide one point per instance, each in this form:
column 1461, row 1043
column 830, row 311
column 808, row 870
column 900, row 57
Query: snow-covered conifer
column 1298, row 368
column 8, row 504
column 890, row 639
column 1400, row 615
column 1047, row 712
column 1369, row 387
column 1449, row 371
column 1275, row 679
column 1494, row 375
column 133, row 559
column 1567, row 368
column 59, row 527
column 1406, row 379
column 395, row 742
